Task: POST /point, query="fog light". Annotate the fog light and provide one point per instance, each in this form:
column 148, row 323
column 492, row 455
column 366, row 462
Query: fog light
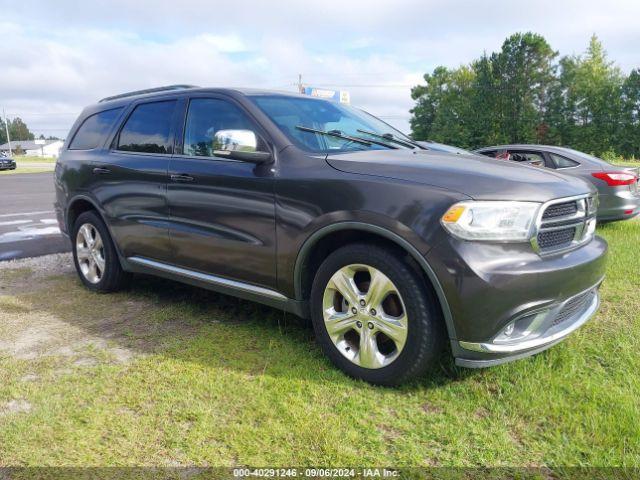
column 524, row 327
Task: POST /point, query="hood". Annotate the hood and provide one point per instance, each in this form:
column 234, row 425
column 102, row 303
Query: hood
column 479, row 177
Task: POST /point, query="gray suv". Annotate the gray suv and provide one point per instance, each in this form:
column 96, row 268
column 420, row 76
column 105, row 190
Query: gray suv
column 392, row 249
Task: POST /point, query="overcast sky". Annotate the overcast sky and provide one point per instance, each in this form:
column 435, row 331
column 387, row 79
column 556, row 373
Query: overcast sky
column 59, row 56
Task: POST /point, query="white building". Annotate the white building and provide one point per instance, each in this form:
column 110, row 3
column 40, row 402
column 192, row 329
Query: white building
column 34, row 148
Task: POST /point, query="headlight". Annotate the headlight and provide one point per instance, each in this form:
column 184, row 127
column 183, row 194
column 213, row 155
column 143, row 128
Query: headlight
column 493, row 220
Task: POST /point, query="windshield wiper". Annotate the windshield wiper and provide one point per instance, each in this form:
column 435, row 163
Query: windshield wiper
column 339, row 134
column 391, row 138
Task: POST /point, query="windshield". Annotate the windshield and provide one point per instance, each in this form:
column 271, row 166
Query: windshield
column 323, row 126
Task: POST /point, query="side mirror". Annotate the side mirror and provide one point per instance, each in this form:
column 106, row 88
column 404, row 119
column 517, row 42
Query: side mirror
column 239, row 145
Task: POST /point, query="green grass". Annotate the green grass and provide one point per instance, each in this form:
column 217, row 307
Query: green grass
column 219, row 382
column 25, row 159
column 31, row 165
column 627, row 164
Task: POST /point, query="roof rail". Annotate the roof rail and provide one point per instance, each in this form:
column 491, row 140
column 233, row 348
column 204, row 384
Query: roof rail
column 148, row 90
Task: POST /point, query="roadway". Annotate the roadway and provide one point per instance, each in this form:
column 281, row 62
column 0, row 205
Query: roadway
column 28, row 225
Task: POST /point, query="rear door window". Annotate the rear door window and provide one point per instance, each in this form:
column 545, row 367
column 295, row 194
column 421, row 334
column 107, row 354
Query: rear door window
column 94, row 129
column 148, row 129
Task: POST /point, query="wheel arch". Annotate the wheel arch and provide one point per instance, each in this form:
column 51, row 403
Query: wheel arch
column 320, row 244
column 83, row 203
column 77, row 206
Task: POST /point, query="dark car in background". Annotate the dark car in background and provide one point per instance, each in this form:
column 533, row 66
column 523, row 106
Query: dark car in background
column 7, row 163
column 618, row 189
column 392, row 250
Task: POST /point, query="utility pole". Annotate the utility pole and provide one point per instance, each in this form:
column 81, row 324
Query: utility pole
column 300, row 87
column 6, row 126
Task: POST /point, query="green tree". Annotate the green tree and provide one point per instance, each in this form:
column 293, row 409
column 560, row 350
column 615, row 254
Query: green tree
column 629, row 137
column 521, row 94
column 525, row 72
column 442, row 113
column 3, row 134
column 18, row 130
column 591, row 87
column 428, row 99
column 484, row 122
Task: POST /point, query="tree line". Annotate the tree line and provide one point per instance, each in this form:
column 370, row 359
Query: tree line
column 18, row 130
column 526, row 93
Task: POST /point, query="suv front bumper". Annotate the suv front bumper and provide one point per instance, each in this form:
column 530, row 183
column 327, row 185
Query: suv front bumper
column 507, row 302
column 553, row 327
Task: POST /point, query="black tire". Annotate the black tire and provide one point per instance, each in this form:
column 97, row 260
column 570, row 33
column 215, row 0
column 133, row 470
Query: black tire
column 426, row 336
column 113, row 277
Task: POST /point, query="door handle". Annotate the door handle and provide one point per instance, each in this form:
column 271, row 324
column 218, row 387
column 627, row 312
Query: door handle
column 101, row 171
column 181, row 177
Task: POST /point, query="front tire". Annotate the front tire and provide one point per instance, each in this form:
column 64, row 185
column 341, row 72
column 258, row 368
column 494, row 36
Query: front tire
column 374, row 317
column 95, row 256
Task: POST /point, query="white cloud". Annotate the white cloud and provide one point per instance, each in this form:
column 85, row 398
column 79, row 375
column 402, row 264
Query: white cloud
column 64, row 58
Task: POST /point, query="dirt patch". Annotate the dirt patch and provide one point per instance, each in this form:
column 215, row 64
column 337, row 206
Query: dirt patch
column 14, row 406
column 17, row 276
column 46, row 312
column 30, row 377
column 431, row 409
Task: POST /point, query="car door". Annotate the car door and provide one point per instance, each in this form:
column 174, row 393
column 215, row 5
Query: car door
column 222, row 211
column 134, row 173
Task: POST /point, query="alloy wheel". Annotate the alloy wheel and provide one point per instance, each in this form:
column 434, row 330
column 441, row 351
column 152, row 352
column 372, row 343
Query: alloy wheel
column 90, row 253
column 365, row 316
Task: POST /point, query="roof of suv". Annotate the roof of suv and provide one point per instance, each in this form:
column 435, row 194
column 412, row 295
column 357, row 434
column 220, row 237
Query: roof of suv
column 172, row 89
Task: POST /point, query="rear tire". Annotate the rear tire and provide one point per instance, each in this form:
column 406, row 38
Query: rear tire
column 385, row 335
column 95, row 256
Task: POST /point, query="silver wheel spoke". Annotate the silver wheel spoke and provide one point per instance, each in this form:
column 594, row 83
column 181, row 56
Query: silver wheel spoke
column 92, row 273
column 369, row 355
column 85, row 230
column 343, row 282
column 379, row 287
column 394, row 328
column 99, row 261
column 339, row 322
column 82, row 252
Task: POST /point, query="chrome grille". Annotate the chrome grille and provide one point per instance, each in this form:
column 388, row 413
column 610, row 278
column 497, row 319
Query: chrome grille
column 556, row 238
column 563, row 224
column 573, row 307
column 560, row 210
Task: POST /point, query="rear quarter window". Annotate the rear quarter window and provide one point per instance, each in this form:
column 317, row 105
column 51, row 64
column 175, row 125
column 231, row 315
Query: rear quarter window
column 563, row 162
column 94, row 129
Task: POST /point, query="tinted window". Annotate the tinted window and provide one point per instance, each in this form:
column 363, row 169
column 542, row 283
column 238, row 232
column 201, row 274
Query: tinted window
column 94, row 129
column 563, row 162
column 205, row 117
column 148, row 128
